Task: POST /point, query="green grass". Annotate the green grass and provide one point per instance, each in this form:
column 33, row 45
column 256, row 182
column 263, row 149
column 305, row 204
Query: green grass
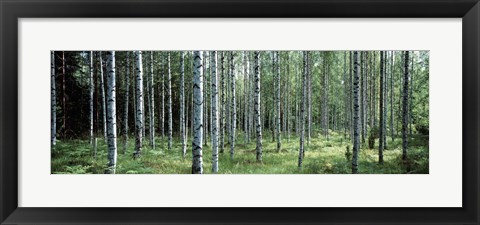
column 321, row 157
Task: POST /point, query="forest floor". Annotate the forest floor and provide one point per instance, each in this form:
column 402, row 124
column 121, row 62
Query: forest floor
column 321, row 157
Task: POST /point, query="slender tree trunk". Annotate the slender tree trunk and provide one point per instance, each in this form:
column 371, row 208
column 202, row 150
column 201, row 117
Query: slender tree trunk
column 371, row 103
column 362, row 96
column 385, row 99
column 214, row 95
column 138, row 103
column 287, row 97
column 309, row 97
column 301, row 152
column 392, row 72
column 272, row 119
column 222, row 104
column 182, row 104
column 365, row 91
column 356, row 120
column 162, row 118
column 90, row 94
column 234, row 107
column 197, row 164
column 102, row 88
column 279, row 134
column 112, row 116
column 186, row 116
column 257, row 103
column 374, row 90
column 410, row 104
column 205, row 97
column 405, row 108
column 53, row 113
column 228, row 117
column 152, row 104
column 350, row 58
column 169, row 99
column 382, row 121
column 125, row 114
column 246, row 97
column 346, row 105
column 64, row 96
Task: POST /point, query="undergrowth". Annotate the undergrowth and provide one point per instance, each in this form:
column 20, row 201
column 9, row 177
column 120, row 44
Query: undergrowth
column 321, row 157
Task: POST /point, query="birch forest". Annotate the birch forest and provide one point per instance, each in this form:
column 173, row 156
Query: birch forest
column 239, row 112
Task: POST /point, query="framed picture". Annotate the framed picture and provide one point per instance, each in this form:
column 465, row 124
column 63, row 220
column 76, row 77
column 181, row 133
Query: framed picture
column 324, row 112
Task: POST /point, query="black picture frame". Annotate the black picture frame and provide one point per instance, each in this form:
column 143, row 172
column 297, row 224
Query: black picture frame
column 12, row 10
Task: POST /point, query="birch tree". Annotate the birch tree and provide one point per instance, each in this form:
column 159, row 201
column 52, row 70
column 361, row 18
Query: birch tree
column 405, row 109
column 234, row 107
column 246, row 95
column 222, row 104
column 112, row 116
column 125, row 113
column 152, row 104
column 169, row 99
column 53, row 112
column 102, row 89
column 392, row 66
column 205, row 99
column 197, row 164
column 257, row 98
column 356, row 119
column 279, row 141
column 182, row 104
column 382, row 101
column 90, row 100
column 309, row 99
column 138, row 102
column 301, row 152
column 162, row 116
column 214, row 95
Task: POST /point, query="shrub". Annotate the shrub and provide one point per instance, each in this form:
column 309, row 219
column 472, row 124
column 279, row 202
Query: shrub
column 348, row 154
column 422, row 129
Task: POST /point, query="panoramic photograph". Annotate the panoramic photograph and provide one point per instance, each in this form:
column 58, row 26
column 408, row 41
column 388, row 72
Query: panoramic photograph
column 239, row 112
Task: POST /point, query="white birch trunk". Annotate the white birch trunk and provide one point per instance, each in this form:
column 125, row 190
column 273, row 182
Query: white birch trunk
column 257, row 98
column 222, row 104
column 301, row 152
column 152, row 104
column 112, row 116
column 90, row 78
column 234, row 107
column 197, row 164
column 102, row 88
column 138, row 102
column 309, row 100
column 279, row 134
column 162, row 116
column 169, row 99
column 182, row 104
column 205, row 97
column 214, row 91
column 246, row 97
column 53, row 112
column 392, row 66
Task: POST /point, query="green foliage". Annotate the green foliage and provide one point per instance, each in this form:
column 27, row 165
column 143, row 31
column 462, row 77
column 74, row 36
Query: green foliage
column 348, row 154
column 422, row 129
column 321, row 157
